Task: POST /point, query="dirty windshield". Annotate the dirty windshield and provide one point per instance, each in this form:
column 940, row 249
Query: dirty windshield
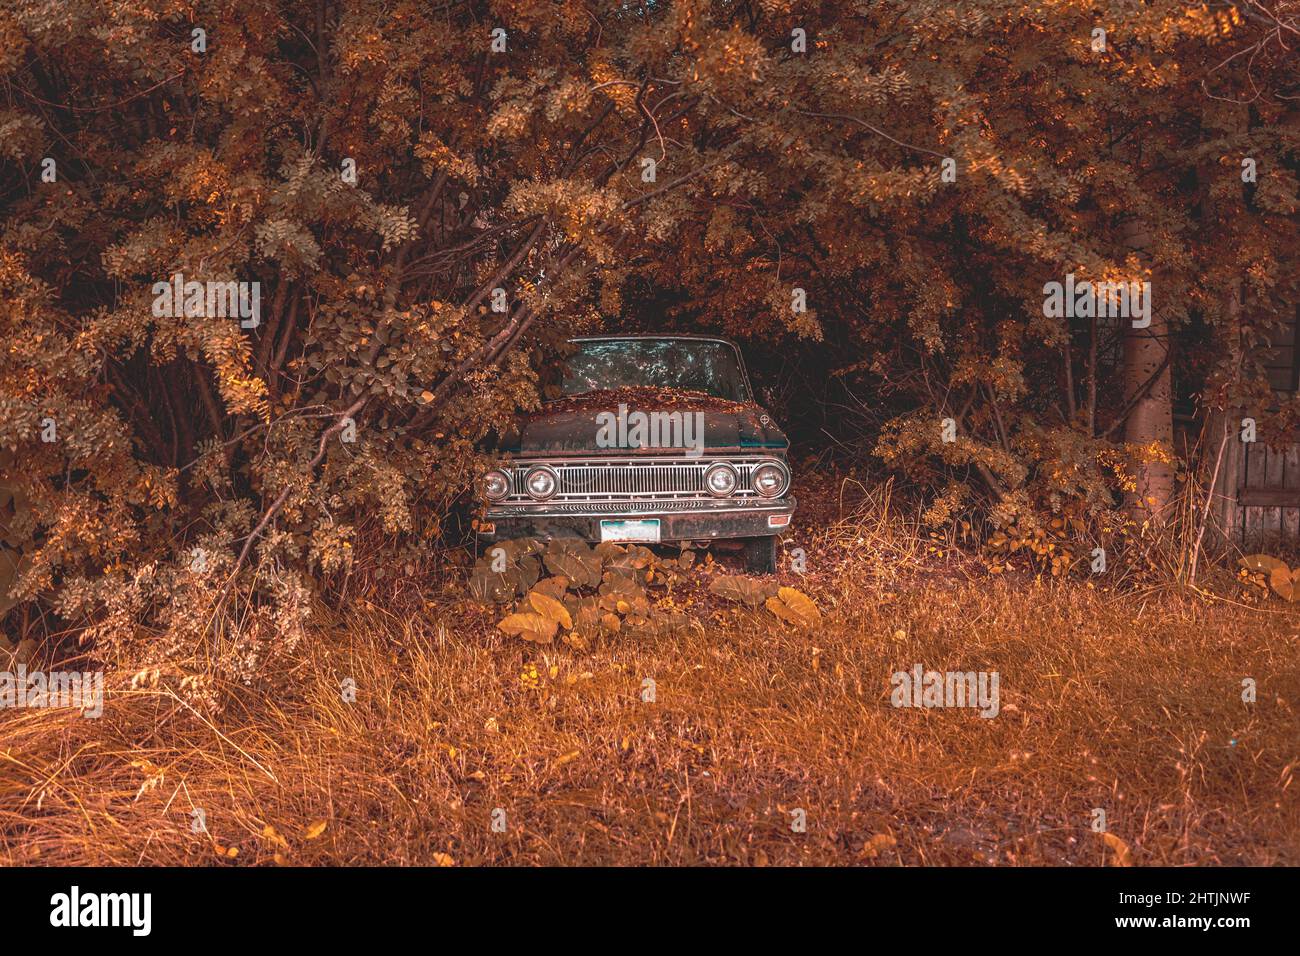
column 697, row 365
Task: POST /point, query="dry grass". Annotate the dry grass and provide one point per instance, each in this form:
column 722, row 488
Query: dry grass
column 1127, row 703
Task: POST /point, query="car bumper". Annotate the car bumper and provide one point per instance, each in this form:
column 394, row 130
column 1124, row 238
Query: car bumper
column 700, row 521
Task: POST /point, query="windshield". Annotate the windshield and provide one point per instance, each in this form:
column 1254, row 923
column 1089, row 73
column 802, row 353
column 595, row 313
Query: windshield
column 698, row 365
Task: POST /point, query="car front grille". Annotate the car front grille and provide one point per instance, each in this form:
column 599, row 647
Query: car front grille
column 623, row 480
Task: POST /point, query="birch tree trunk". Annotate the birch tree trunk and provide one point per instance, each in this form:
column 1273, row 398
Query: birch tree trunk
column 1150, row 424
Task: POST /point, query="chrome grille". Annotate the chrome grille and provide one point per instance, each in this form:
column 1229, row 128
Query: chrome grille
column 624, row 480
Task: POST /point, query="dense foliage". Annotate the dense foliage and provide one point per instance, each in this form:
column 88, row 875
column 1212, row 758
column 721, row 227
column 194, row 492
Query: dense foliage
column 891, row 181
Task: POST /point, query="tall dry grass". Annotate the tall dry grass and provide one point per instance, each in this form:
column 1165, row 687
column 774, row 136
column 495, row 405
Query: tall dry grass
column 1128, row 703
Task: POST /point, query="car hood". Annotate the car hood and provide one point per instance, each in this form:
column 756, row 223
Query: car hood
column 600, row 426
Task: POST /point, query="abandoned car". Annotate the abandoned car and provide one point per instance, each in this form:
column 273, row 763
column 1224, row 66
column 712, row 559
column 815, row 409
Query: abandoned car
column 648, row 439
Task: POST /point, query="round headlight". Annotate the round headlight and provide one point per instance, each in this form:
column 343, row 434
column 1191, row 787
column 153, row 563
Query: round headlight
column 496, row 485
column 721, row 479
column 541, row 482
column 770, row 479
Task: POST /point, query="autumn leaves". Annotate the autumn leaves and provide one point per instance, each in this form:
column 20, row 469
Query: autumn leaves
column 1282, row 579
column 567, row 589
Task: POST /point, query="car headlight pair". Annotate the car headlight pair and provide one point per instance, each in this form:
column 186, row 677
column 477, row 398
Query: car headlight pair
column 540, row 482
column 769, row 479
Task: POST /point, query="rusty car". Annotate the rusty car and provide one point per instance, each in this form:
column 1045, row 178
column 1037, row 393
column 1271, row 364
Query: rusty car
column 652, row 439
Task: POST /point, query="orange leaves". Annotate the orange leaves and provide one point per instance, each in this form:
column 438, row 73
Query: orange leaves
column 549, row 608
column 795, row 608
column 541, row 623
column 1208, row 23
column 315, row 829
column 790, row 605
column 1284, row 580
column 743, row 589
column 1036, row 541
column 565, row 759
column 530, row 626
column 1120, row 854
column 878, row 845
column 436, row 155
column 562, row 605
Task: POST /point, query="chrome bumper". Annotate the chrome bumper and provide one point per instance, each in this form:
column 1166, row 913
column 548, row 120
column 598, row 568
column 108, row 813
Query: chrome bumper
column 679, row 520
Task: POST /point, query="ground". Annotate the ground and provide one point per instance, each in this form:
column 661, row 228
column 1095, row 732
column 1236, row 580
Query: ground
column 1129, row 703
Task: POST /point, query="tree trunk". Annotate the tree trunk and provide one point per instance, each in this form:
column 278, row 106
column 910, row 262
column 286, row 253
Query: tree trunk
column 1150, row 424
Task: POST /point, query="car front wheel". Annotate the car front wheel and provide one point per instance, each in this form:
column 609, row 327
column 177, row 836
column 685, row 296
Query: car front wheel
column 760, row 555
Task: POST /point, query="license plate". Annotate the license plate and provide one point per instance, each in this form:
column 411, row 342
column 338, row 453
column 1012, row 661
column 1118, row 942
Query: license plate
column 640, row 529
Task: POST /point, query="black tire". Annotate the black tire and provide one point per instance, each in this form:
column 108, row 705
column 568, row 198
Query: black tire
column 760, row 554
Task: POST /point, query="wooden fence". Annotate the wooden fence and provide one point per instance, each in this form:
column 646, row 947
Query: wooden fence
column 1268, row 493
